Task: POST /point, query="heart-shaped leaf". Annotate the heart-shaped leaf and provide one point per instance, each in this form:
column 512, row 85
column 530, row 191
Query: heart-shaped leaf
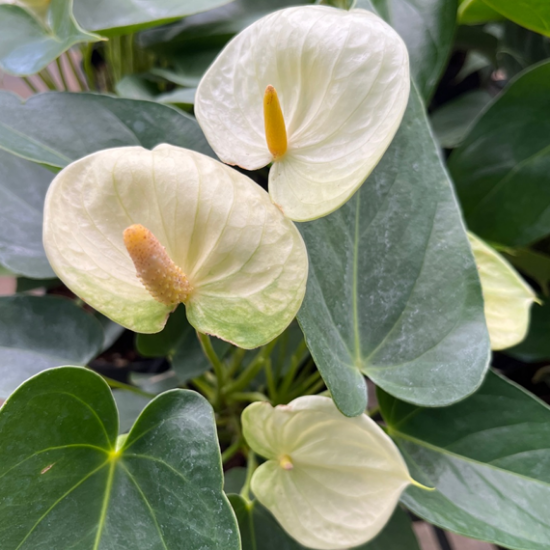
column 488, row 459
column 57, row 128
column 125, row 16
column 501, row 169
column 23, row 186
column 65, row 483
column 393, row 290
column 37, row 333
column 27, row 44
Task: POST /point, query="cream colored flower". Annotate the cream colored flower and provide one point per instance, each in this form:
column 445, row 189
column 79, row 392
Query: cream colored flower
column 508, row 298
column 331, row 481
column 318, row 91
column 135, row 232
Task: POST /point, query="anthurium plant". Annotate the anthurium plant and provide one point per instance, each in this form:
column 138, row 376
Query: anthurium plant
column 282, row 274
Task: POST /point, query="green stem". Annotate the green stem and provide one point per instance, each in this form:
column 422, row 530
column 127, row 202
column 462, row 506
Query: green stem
column 315, row 388
column 271, row 387
column 61, row 74
column 28, row 82
column 289, row 376
column 236, row 360
column 232, row 450
column 249, row 397
column 76, row 73
column 88, row 67
column 46, row 79
column 251, row 371
column 219, row 369
column 121, row 385
column 250, row 467
column 205, row 388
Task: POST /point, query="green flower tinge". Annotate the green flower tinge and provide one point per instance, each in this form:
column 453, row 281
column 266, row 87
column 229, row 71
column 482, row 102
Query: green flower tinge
column 244, row 263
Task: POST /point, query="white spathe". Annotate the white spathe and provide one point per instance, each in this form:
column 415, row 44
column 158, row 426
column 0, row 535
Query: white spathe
column 342, row 78
column 247, row 264
column 331, row 481
column 508, row 298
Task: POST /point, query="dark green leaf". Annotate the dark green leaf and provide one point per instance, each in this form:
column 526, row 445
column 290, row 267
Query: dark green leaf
column 63, row 483
column 393, row 291
column 178, row 341
column 27, row 45
column 487, row 458
column 26, row 285
column 260, row 530
column 234, row 480
column 427, row 27
column 474, row 12
column 532, row 14
column 57, row 128
column 111, row 331
column 23, row 186
column 37, row 333
column 124, row 16
column 534, row 264
column 501, row 169
column 452, row 122
column 536, row 345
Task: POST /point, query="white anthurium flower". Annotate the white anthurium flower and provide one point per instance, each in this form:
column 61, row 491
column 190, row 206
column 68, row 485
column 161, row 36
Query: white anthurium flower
column 331, row 481
column 135, row 232
column 318, row 91
column 508, row 298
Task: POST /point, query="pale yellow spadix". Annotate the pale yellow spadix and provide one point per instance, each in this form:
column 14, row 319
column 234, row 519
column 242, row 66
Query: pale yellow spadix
column 274, row 122
column 508, row 298
column 134, row 232
column 331, row 481
column 342, row 79
column 164, row 280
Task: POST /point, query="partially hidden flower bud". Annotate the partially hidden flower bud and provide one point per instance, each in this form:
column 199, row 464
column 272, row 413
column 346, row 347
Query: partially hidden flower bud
column 164, row 280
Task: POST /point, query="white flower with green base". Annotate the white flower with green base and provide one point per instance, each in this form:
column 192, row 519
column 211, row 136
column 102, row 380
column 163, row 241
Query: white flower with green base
column 331, row 481
column 318, row 91
column 244, row 265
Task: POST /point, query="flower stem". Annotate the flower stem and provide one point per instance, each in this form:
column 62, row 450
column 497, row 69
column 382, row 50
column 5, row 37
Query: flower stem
column 29, row 83
column 121, row 385
column 250, row 468
column 61, row 74
column 219, row 369
column 232, row 450
column 76, row 73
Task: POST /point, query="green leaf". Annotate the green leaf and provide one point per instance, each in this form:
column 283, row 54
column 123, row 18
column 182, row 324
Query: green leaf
column 125, row 16
column 37, row 333
column 23, row 186
column 57, row 128
column 536, row 345
column 533, row 263
column 427, row 27
column 181, row 96
column 393, row 290
column 27, row 45
column 501, row 169
column 531, row 14
column 475, row 12
column 178, row 341
column 260, row 530
column 487, row 458
column 452, row 122
column 129, row 405
column 63, row 483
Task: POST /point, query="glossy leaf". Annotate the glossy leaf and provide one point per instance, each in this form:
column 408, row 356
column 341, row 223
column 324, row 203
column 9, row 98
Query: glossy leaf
column 27, row 44
column 533, row 263
column 23, row 186
column 536, row 346
column 501, row 169
column 427, row 27
column 476, row 12
column 488, row 459
column 507, row 297
column 331, row 481
column 532, row 14
column 57, row 128
column 245, row 262
column 260, row 530
column 342, row 101
column 37, row 333
column 124, row 16
column 60, row 468
column 414, row 333
column 452, row 122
